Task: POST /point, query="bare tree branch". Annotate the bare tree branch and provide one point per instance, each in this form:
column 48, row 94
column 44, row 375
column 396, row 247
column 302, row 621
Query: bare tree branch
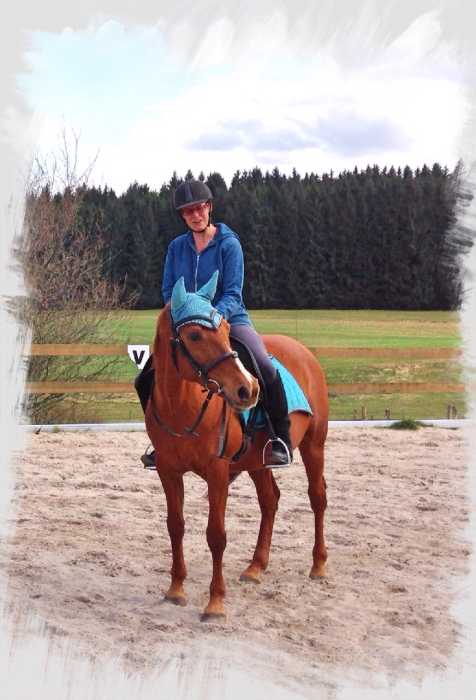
column 70, row 301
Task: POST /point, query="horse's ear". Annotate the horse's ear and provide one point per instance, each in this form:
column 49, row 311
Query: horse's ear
column 209, row 289
column 179, row 296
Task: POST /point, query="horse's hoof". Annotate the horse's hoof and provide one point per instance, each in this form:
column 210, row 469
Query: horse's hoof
column 176, row 600
column 252, row 573
column 317, row 573
column 208, row 616
column 250, row 578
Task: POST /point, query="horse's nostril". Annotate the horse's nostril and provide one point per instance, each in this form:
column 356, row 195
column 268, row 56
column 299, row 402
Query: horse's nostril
column 243, row 393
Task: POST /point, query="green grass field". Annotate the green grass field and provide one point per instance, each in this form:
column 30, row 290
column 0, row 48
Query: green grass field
column 319, row 328
column 366, row 329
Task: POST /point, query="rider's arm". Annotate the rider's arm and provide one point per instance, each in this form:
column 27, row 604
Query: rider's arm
column 231, row 300
column 168, row 279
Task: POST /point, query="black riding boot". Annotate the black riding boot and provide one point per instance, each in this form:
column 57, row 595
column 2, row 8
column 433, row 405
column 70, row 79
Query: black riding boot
column 278, row 452
column 148, row 458
column 143, row 385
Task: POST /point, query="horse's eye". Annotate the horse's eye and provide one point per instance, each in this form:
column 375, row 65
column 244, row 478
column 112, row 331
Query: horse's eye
column 194, row 336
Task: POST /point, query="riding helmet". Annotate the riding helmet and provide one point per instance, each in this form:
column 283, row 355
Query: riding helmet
column 191, row 192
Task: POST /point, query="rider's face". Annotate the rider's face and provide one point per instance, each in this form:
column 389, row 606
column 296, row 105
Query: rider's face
column 196, row 215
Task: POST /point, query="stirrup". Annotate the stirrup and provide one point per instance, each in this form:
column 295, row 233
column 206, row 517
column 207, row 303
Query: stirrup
column 148, row 458
column 287, row 458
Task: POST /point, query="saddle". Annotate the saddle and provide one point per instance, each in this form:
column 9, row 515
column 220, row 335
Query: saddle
column 258, row 417
column 247, row 358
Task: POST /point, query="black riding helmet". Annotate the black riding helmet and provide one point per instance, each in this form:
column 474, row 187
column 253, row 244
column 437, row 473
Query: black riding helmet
column 191, row 192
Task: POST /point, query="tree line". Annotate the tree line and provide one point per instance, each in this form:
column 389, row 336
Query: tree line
column 372, row 238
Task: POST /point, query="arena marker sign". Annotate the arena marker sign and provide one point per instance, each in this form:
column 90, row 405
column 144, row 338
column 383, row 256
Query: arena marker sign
column 139, row 354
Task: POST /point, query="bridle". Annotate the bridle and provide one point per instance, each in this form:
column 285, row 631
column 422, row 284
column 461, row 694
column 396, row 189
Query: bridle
column 201, row 370
column 210, row 385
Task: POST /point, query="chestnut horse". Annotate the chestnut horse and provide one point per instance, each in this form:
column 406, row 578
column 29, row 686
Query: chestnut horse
column 193, row 433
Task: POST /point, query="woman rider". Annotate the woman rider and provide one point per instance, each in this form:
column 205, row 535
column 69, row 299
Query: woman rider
column 195, row 255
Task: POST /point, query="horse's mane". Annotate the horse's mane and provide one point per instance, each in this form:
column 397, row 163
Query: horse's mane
column 163, row 328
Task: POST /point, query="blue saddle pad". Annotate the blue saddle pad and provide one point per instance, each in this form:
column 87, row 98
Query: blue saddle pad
column 297, row 400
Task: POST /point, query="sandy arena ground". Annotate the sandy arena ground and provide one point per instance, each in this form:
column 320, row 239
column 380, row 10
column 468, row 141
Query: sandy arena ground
column 90, row 554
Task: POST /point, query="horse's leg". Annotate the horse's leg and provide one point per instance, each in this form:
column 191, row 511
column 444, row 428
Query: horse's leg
column 216, row 538
column 312, row 452
column 173, row 489
column 268, row 497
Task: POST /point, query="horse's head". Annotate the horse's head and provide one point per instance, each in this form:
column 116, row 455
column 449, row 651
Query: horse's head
column 203, row 337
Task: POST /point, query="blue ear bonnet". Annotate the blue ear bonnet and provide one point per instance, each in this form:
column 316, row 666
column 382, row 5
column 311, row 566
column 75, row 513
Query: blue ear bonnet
column 195, row 307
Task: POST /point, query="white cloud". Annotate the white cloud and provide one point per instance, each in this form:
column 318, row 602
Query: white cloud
column 314, row 123
column 249, row 99
column 215, row 47
column 421, row 37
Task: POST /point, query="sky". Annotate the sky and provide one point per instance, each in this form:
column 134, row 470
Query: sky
column 151, row 100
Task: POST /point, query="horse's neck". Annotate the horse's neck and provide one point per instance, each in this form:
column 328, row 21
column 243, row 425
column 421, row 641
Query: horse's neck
column 172, row 393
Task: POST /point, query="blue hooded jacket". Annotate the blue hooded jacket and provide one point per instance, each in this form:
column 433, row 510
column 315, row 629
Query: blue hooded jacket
column 223, row 253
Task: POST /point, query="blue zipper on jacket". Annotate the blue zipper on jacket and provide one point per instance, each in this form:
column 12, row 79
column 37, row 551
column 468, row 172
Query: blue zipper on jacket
column 196, row 271
column 210, row 245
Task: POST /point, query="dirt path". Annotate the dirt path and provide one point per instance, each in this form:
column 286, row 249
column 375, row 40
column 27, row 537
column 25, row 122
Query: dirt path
column 90, row 552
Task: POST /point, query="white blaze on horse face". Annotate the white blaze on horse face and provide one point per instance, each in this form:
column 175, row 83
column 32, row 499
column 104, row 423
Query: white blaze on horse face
column 243, row 370
column 248, row 376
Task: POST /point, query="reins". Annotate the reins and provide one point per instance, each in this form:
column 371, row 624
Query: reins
column 222, row 439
